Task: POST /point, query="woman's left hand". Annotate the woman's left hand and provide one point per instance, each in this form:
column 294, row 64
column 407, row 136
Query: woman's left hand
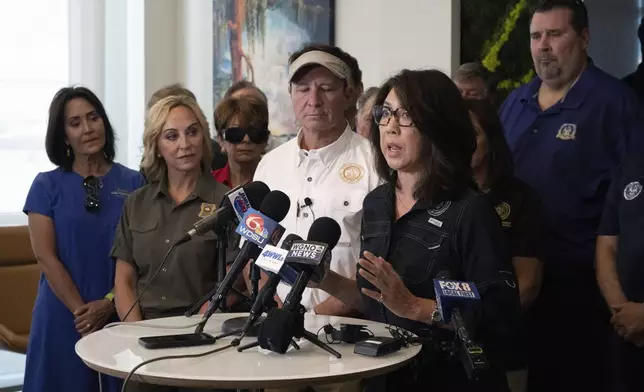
column 93, row 316
column 393, row 292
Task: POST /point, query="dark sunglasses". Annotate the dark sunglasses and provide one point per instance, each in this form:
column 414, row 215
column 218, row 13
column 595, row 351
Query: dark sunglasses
column 235, row 135
column 92, row 188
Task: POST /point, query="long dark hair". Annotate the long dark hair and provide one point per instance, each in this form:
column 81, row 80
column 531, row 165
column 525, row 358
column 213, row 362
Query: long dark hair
column 499, row 157
column 55, row 140
column 448, row 140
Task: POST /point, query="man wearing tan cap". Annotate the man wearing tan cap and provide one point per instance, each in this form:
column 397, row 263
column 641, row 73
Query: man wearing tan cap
column 327, row 170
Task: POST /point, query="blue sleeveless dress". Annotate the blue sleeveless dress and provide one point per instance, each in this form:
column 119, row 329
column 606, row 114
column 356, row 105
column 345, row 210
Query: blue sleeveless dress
column 83, row 242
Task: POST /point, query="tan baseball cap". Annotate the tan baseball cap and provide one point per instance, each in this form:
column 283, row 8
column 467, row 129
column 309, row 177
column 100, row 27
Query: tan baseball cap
column 327, row 60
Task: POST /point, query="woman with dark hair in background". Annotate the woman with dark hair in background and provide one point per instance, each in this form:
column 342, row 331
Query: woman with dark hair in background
column 515, row 202
column 425, row 220
column 364, row 116
column 73, row 211
column 519, row 209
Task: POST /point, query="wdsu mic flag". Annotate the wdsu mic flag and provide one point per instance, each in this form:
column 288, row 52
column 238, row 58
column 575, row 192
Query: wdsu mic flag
column 259, row 229
column 451, row 294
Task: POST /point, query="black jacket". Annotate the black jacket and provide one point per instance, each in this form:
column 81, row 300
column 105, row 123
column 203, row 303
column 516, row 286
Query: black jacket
column 463, row 236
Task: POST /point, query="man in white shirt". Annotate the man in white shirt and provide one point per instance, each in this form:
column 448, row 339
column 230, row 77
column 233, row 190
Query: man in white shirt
column 328, row 169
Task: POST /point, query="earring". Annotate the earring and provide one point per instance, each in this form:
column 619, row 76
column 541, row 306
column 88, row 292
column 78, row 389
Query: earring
column 69, row 151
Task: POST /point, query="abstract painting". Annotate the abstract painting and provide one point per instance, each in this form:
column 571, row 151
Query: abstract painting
column 253, row 40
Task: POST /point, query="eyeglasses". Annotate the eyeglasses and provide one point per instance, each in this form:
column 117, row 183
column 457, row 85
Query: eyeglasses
column 383, row 114
column 92, row 188
column 236, row 135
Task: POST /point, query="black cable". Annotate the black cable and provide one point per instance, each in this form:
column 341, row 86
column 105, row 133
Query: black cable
column 136, row 302
column 407, row 338
column 328, row 331
column 184, row 356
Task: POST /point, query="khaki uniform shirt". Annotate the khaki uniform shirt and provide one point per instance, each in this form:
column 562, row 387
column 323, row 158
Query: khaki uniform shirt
column 151, row 222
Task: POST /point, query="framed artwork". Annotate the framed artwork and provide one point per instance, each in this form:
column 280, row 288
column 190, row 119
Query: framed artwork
column 253, row 40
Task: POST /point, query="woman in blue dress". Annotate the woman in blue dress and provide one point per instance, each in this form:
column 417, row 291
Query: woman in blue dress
column 73, row 211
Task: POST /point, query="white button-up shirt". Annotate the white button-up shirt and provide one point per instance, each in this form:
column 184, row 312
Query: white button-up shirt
column 336, row 179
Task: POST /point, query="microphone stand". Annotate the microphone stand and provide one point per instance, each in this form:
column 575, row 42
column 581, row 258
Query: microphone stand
column 238, row 324
column 222, row 247
column 255, row 276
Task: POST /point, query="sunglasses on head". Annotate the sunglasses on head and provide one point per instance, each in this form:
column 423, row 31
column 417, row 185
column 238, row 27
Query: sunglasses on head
column 235, row 135
column 92, row 188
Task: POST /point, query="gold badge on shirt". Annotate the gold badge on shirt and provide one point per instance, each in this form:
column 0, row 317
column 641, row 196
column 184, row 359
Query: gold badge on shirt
column 351, row 173
column 567, row 132
column 504, row 210
column 207, row 209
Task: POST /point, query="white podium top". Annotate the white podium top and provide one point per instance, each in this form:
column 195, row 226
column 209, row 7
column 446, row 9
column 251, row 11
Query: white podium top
column 116, row 351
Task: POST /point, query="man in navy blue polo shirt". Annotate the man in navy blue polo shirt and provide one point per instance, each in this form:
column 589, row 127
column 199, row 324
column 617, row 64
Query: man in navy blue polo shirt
column 568, row 131
column 620, row 270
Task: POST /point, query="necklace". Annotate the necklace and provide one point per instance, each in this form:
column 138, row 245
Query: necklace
column 400, row 202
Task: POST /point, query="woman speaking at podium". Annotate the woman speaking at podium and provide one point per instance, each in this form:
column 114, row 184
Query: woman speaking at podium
column 181, row 191
column 426, row 219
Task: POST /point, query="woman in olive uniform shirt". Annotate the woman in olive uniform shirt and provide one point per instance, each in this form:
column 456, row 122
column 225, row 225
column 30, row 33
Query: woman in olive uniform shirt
column 181, row 191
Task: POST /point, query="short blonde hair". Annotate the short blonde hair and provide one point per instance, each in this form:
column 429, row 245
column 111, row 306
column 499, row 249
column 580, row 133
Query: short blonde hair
column 152, row 165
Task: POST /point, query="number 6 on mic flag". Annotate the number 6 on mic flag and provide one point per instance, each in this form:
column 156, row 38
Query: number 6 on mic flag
column 259, row 229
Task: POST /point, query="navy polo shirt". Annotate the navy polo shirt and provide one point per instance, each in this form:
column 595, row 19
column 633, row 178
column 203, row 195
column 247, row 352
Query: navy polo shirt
column 568, row 154
column 624, row 217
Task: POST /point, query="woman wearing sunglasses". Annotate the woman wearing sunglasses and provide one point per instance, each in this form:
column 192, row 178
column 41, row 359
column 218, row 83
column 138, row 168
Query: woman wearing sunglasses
column 73, row 211
column 242, row 131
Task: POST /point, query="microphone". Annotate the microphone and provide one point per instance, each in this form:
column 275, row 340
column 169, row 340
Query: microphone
column 308, row 257
column 258, row 228
column 234, row 204
column 282, row 325
column 451, row 295
column 271, row 260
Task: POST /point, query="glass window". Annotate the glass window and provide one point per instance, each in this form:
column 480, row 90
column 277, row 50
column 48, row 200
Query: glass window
column 34, row 47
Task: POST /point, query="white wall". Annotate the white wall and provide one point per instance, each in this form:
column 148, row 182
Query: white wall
column 613, row 34
column 387, row 36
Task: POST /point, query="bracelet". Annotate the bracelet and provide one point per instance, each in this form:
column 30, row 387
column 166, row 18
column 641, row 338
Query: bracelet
column 436, row 315
column 109, row 296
